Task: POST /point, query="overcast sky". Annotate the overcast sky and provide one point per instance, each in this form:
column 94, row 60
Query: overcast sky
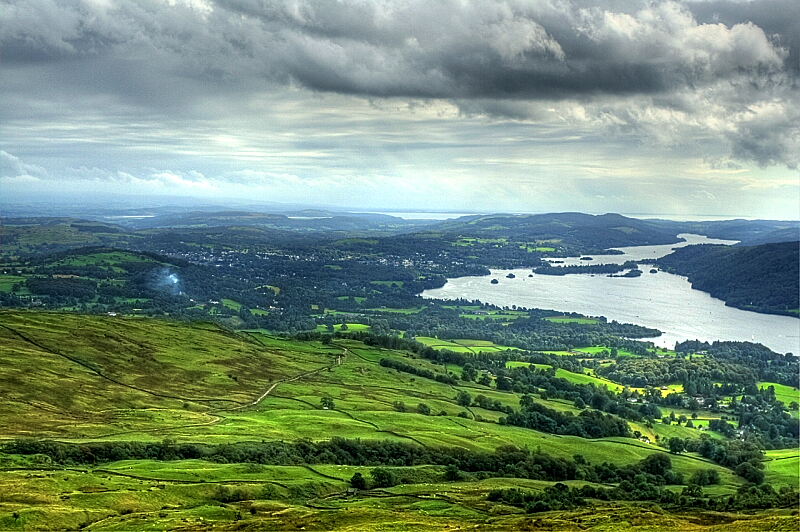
column 595, row 106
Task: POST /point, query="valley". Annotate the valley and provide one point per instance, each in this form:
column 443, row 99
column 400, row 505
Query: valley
column 160, row 378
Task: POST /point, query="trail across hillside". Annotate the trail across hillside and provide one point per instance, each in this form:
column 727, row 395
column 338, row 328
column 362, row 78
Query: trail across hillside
column 290, row 379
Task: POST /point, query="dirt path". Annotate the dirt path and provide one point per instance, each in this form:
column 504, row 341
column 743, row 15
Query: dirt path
column 290, row 379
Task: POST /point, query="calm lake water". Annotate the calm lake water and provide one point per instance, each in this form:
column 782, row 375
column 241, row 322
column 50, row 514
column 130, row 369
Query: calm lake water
column 663, row 301
column 637, row 253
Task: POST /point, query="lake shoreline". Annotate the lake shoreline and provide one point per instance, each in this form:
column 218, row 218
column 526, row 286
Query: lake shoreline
column 662, row 301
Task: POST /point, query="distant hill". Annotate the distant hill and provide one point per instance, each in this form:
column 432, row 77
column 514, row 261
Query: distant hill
column 302, row 221
column 582, row 230
column 748, row 232
column 762, row 278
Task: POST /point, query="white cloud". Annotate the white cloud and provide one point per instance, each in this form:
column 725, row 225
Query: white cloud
column 13, row 168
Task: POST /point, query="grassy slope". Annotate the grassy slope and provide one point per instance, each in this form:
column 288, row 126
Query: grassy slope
column 209, row 368
column 463, row 345
column 783, row 393
column 782, row 466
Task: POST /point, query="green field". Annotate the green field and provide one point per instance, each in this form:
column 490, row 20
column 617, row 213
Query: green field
column 98, row 378
column 463, row 345
column 7, row 282
column 191, row 495
column 28, row 238
column 103, row 259
column 357, row 299
column 410, row 310
column 569, row 319
column 600, row 350
column 783, row 393
column 782, row 467
column 350, row 327
column 275, row 290
column 577, row 378
column 539, row 249
column 231, row 304
column 388, row 283
column 502, row 315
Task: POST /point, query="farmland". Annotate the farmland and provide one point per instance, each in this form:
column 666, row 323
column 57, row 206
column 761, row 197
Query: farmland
column 117, row 379
column 463, row 345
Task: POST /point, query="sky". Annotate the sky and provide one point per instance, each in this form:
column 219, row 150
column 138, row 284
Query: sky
column 688, row 107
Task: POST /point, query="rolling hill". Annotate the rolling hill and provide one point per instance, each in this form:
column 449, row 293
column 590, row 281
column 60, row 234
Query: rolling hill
column 157, row 422
column 582, row 230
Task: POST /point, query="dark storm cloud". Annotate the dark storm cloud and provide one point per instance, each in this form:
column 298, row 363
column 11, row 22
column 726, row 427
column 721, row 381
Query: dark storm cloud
column 630, row 63
column 443, row 49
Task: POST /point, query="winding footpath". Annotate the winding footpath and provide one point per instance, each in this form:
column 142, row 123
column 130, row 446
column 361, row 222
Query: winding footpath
column 291, row 379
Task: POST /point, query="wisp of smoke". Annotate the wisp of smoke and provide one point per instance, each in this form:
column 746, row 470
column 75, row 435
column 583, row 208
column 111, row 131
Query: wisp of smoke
column 167, row 281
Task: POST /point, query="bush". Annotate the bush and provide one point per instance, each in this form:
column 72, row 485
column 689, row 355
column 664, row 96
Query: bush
column 705, row 477
column 750, row 473
column 358, row 481
column 382, row 478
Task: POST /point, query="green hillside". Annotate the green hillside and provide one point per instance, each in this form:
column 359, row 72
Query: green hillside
column 129, row 382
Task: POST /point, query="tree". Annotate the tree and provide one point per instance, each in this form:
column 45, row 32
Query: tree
column 424, row 409
column 692, row 490
column 580, row 403
column 705, row 477
column 469, row 374
column 400, row 406
column 750, row 473
column 656, row 464
column 463, row 398
column 358, row 481
column 382, row 478
column 676, row 445
column 327, row 403
column 452, row 473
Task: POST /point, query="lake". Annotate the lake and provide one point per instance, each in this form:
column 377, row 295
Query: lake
column 637, row 253
column 662, row 301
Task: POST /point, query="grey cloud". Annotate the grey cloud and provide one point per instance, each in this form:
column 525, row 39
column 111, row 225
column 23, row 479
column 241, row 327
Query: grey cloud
column 13, row 167
column 780, row 20
column 769, row 136
column 503, row 59
column 442, row 49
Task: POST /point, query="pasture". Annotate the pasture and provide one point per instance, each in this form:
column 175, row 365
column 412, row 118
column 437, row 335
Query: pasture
column 783, row 393
column 463, row 345
column 571, row 319
column 98, row 378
